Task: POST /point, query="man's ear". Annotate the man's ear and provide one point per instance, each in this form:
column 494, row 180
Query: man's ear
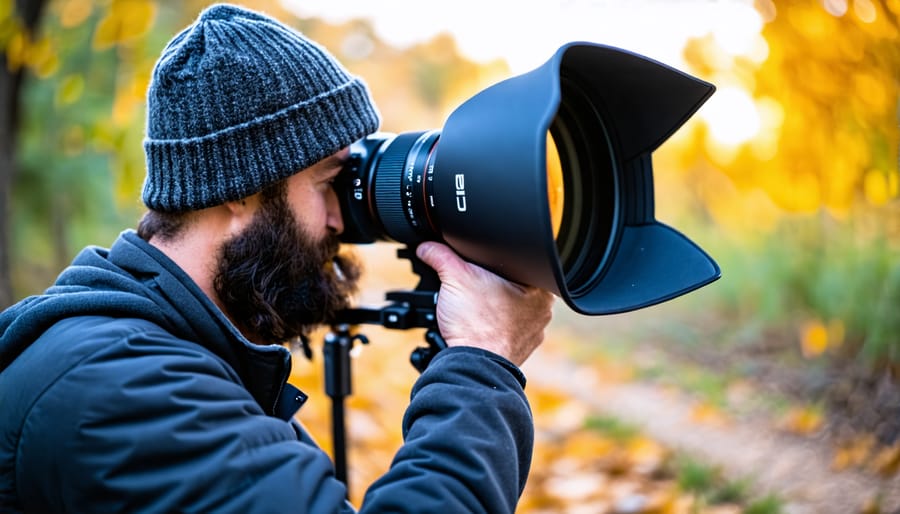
column 241, row 212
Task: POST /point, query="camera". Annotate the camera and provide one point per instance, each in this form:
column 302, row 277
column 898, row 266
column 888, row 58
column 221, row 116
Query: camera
column 545, row 178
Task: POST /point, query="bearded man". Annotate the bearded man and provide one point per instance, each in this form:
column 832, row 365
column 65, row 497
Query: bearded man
column 152, row 376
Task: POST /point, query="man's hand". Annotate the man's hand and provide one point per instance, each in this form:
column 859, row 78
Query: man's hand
column 478, row 308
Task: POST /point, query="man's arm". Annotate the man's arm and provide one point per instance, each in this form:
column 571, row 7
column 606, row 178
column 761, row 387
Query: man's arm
column 468, row 438
column 468, row 430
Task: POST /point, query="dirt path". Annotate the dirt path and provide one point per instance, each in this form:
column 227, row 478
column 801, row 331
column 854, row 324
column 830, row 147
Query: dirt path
column 798, row 470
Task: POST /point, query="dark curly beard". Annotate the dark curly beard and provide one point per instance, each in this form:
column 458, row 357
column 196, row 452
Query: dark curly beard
column 275, row 282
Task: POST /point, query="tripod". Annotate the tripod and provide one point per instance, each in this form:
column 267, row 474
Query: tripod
column 406, row 310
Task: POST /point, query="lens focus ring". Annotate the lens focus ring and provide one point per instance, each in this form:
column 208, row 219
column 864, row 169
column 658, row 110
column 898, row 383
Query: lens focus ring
column 388, row 178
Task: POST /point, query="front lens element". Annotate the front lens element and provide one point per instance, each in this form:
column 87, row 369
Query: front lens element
column 556, row 192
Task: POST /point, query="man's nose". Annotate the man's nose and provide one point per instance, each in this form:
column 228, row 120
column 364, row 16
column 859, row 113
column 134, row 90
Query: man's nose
column 335, row 220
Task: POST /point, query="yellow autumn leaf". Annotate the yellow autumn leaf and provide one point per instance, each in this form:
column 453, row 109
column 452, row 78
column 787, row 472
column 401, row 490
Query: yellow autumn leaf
column 886, row 461
column 853, row 453
column 872, row 505
column 46, row 64
column 547, row 400
column 646, row 455
column 872, row 90
column 685, row 504
column 40, row 55
column 70, row 89
column 589, row 445
column 707, row 413
column 813, row 339
column 842, row 459
column 126, row 104
column 878, row 187
column 802, row 420
column 125, row 21
column 16, row 48
column 74, row 12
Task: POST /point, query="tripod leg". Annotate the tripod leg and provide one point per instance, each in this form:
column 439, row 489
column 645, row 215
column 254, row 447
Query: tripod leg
column 338, row 386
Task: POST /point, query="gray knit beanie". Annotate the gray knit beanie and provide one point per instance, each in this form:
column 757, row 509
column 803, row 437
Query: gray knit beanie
column 238, row 101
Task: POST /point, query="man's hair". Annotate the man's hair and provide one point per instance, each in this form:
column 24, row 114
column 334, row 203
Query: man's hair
column 168, row 226
column 165, row 225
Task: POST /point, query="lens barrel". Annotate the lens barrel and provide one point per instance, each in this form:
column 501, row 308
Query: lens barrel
column 387, row 185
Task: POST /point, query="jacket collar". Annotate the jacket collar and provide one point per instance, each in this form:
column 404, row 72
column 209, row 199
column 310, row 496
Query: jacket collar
column 193, row 316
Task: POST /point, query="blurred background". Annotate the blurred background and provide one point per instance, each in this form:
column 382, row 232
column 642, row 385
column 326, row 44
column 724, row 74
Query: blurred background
column 789, row 177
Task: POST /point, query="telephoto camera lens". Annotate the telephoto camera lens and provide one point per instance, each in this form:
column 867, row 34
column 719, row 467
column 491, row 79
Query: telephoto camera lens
column 544, row 178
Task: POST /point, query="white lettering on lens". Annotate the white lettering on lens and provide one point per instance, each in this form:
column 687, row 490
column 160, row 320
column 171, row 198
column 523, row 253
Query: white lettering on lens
column 460, row 192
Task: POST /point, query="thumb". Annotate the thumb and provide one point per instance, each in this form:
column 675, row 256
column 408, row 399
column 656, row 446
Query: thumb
column 440, row 257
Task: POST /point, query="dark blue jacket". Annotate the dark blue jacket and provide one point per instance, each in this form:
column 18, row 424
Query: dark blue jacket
column 123, row 388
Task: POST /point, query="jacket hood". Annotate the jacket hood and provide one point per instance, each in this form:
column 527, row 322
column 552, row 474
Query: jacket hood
column 132, row 279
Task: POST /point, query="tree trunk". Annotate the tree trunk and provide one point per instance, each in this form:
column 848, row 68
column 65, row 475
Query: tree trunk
column 7, row 86
column 29, row 12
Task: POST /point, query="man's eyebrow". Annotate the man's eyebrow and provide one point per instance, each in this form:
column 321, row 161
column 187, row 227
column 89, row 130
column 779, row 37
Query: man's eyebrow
column 332, row 165
column 337, row 160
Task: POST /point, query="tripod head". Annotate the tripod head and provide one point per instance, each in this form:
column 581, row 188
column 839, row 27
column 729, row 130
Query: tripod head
column 406, row 309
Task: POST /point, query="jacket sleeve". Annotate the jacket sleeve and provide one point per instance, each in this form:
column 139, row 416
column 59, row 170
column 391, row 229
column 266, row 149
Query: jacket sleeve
column 152, row 426
column 468, row 437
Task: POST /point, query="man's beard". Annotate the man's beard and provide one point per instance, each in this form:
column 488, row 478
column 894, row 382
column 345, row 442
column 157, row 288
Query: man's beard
column 275, row 282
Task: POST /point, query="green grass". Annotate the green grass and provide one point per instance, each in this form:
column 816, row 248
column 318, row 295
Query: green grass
column 816, row 267
column 767, row 505
column 710, row 487
column 696, row 477
column 612, row 427
column 706, row 482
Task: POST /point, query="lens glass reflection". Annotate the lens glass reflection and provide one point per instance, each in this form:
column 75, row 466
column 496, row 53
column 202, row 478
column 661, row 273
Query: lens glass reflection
column 589, row 204
column 556, row 192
